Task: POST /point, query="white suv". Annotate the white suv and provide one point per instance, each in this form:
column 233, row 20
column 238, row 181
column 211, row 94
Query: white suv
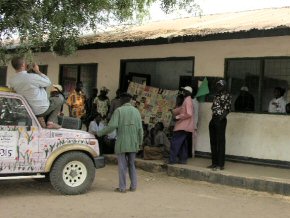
column 68, row 157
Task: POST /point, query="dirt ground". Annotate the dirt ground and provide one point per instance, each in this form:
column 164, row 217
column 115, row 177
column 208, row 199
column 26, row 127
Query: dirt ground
column 157, row 196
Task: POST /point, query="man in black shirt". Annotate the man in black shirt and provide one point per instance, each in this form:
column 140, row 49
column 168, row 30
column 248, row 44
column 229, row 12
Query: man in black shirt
column 221, row 107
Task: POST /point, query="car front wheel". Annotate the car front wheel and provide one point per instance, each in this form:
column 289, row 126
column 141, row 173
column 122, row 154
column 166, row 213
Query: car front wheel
column 72, row 173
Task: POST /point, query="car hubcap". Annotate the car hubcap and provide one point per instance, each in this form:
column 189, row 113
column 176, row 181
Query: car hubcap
column 74, row 173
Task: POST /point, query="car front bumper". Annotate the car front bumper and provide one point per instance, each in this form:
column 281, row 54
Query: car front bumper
column 99, row 162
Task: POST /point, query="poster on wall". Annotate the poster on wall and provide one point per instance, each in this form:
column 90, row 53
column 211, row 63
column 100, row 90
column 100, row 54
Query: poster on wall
column 153, row 103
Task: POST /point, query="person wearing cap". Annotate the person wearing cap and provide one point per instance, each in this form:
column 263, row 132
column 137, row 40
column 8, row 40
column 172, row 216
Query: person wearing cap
column 245, row 102
column 56, row 96
column 32, row 87
column 102, row 102
column 184, row 127
column 221, row 107
column 127, row 121
column 76, row 101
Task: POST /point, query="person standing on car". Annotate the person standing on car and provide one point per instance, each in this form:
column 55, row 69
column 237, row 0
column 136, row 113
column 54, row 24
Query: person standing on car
column 127, row 120
column 221, row 107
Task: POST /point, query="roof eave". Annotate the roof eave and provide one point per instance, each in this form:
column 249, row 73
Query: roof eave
column 244, row 34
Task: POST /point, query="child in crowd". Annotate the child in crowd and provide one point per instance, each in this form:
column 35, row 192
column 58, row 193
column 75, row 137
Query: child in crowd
column 95, row 126
column 146, row 140
column 161, row 140
column 160, row 145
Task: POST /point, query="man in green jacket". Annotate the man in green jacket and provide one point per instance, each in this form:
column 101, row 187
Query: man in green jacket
column 127, row 120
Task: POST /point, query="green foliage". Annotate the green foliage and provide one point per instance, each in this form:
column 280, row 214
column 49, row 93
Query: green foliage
column 57, row 24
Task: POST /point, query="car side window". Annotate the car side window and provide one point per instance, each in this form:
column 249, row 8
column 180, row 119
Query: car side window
column 13, row 112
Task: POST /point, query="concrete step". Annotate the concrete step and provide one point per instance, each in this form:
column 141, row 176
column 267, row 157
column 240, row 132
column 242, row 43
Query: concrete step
column 255, row 177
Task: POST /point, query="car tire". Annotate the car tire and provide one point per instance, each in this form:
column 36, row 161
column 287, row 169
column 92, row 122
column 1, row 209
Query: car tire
column 72, row 173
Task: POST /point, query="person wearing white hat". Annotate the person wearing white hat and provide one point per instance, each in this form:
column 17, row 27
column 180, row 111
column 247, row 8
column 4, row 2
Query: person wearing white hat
column 183, row 129
column 57, row 97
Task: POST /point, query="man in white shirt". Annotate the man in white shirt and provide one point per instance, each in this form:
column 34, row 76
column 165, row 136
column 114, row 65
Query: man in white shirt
column 96, row 125
column 32, row 87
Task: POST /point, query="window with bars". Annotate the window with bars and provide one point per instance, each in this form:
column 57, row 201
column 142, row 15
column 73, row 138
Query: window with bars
column 260, row 76
column 72, row 73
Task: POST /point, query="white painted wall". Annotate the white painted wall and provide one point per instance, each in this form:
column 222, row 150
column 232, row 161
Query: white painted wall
column 252, row 135
column 262, row 136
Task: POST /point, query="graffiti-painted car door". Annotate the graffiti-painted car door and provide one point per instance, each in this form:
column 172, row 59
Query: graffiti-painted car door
column 18, row 137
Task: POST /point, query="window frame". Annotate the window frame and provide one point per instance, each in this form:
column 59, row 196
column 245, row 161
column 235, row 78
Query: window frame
column 262, row 61
column 123, row 78
column 78, row 77
column 28, row 116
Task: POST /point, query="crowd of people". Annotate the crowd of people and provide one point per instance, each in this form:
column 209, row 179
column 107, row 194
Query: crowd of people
column 95, row 113
column 118, row 126
column 103, row 117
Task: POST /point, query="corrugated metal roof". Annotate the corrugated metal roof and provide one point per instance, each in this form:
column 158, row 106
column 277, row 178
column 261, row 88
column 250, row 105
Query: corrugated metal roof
column 262, row 19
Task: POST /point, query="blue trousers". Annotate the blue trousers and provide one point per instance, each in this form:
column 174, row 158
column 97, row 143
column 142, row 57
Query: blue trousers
column 126, row 161
column 178, row 147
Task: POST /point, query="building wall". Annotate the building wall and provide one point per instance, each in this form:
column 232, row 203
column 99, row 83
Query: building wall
column 252, row 135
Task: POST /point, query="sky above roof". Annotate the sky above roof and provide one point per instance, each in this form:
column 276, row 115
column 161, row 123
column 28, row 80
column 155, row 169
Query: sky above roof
column 220, row 6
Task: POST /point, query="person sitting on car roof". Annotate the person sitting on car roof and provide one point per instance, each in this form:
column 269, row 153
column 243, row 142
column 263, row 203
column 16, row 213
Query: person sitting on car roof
column 32, row 87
